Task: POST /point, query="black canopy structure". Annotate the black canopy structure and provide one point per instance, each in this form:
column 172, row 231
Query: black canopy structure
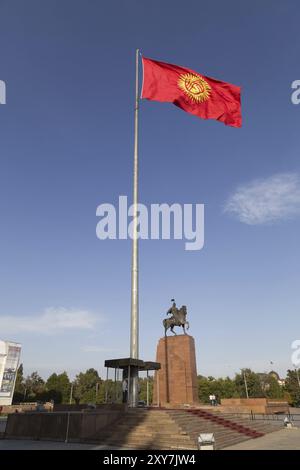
column 130, row 366
column 124, row 363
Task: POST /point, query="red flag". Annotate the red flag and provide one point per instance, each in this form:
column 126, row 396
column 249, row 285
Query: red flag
column 203, row 96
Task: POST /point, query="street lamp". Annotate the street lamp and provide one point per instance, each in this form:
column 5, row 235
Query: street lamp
column 245, row 382
column 71, row 393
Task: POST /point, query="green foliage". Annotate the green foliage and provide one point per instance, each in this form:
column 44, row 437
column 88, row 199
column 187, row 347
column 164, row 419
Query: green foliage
column 143, row 389
column 34, row 387
column 19, row 386
column 58, row 388
column 221, row 388
column 85, row 389
column 88, row 387
column 274, row 390
column 292, row 387
column 254, row 385
column 259, row 385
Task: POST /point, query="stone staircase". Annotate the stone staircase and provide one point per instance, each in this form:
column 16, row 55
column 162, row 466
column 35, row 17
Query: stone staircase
column 260, row 425
column 147, row 429
column 168, row 429
column 227, row 432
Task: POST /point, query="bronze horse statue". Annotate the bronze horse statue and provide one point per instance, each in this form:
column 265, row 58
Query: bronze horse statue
column 178, row 319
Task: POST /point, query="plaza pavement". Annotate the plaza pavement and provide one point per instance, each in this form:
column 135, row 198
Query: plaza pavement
column 16, row 444
column 285, row 439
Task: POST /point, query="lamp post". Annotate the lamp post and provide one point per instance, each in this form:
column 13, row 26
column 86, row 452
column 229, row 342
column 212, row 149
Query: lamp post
column 71, row 393
column 147, row 387
column 245, row 382
column 97, row 388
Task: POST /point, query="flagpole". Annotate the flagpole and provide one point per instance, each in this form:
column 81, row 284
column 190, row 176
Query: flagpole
column 134, row 328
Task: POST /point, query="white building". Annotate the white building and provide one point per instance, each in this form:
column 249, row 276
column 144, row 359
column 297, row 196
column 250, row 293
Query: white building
column 9, row 361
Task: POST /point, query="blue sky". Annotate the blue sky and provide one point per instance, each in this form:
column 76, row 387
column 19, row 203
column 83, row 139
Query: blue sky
column 66, row 146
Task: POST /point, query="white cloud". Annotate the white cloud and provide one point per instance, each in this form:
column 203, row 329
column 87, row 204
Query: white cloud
column 52, row 320
column 268, row 200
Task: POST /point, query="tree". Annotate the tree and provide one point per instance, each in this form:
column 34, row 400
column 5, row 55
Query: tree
column 89, row 388
column 292, row 387
column 204, row 388
column 34, row 387
column 225, row 388
column 274, row 390
column 143, row 389
column 221, row 388
column 85, row 386
column 255, row 389
column 58, row 388
column 19, row 386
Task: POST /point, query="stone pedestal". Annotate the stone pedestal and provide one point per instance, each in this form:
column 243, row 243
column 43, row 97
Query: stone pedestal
column 175, row 383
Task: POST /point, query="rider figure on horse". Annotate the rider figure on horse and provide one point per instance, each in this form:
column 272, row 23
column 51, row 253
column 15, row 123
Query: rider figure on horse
column 173, row 310
column 177, row 318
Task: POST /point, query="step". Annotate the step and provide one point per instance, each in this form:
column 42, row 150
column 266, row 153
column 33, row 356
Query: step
column 216, row 432
column 193, row 424
column 154, row 446
column 211, row 425
column 141, row 430
column 232, row 425
column 151, row 445
column 145, row 436
column 147, row 426
column 160, row 443
column 138, row 441
column 172, row 429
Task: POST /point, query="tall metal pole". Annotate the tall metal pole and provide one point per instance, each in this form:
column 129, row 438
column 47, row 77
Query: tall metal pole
column 106, row 386
column 134, row 329
column 97, row 388
column 71, row 394
column 147, row 387
column 246, row 386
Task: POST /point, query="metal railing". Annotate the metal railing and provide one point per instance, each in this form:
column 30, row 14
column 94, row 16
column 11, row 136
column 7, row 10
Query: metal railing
column 263, row 416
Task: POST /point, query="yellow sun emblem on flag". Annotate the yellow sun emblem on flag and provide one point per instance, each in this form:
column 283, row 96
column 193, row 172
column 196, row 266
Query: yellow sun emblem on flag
column 194, row 86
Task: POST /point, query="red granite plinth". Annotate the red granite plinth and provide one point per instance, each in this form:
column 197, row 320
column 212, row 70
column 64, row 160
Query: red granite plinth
column 175, row 383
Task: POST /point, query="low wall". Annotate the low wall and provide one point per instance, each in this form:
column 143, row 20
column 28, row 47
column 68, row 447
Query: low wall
column 23, row 407
column 277, row 406
column 56, row 426
column 84, row 407
column 254, row 405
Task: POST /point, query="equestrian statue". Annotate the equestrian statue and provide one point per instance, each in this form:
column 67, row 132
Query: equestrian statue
column 178, row 318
